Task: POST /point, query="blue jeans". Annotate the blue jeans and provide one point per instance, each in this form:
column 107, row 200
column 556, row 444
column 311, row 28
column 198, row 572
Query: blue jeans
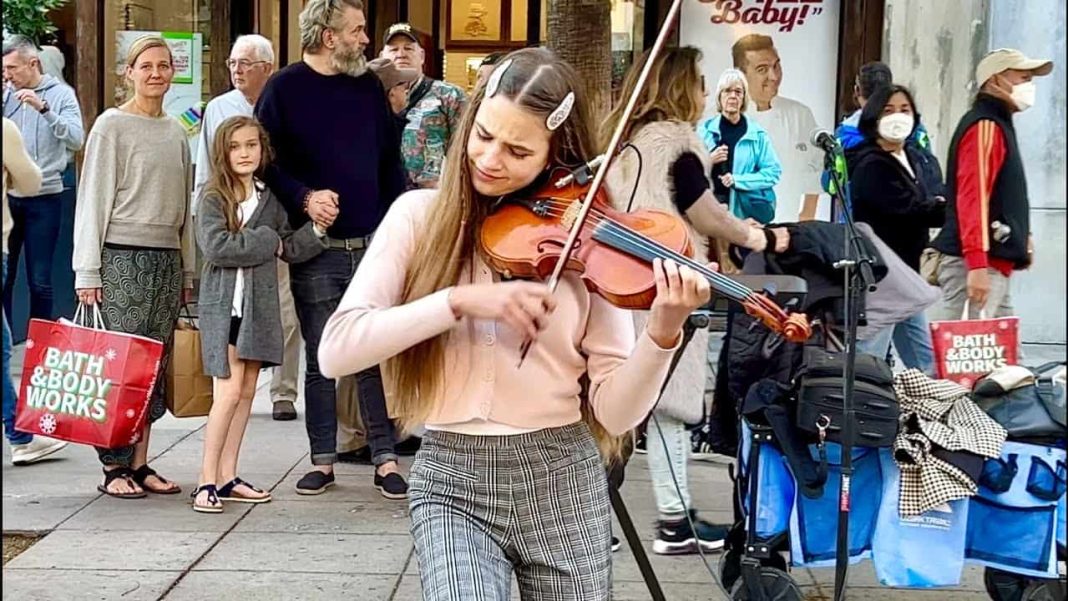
column 36, row 228
column 318, row 286
column 911, row 339
column 10, row 396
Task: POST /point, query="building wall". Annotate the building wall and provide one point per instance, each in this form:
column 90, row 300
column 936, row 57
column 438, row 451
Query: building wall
column 933, row 48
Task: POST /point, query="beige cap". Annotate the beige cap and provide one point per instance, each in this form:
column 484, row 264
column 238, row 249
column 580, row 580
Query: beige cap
column 390, row 74
column 1004, row 59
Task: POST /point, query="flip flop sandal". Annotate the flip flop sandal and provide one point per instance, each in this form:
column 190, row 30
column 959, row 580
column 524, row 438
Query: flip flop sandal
column 214, row 504
column 144, row 472
column 226, row 493
column 112, row 475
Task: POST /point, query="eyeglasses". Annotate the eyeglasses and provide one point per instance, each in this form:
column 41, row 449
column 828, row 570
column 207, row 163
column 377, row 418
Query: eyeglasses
column 242, row 64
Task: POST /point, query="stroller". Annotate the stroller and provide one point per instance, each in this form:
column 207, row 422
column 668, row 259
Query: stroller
column 785, row 491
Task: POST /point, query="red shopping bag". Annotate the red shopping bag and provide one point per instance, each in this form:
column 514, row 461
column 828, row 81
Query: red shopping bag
column 967, row 350
column 86, row 385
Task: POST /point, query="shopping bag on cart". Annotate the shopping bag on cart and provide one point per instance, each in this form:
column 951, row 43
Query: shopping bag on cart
column 86, row 384
column 966, row 350
column 917, row 551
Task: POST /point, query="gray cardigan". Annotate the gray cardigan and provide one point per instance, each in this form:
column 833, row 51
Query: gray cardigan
column 253, row 247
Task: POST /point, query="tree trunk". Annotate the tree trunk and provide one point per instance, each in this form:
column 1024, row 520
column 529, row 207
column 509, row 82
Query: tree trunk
column 580, row 32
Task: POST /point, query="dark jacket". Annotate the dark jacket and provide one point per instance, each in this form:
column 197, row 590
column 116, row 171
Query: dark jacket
column 253, row 248
column 892, row 201
column 1008, row 202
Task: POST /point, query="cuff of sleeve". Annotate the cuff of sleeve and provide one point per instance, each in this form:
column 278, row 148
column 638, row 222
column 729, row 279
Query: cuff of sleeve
column 88, row 279
column 645, row 340
column 318, row 232
column 976, row 259
column 51, row 117
column 438, row 310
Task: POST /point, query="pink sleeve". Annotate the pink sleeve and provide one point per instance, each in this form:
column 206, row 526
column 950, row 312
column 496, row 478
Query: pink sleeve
column 625, row 376
column 369, row 325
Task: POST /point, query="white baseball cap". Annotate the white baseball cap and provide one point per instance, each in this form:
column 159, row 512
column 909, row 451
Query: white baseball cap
column 1003, row 59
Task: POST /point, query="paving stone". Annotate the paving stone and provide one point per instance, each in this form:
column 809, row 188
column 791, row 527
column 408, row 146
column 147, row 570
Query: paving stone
column 283, row 586
column 325, row 517
column 104, row 550
column 82, row 585
column 40, row 513
column 320, row 553
column 172, row 513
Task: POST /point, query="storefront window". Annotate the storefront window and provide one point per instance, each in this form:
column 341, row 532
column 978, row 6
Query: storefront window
column 627, row 23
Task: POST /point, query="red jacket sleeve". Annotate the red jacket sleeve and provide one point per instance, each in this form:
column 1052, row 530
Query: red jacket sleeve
column 979, row 158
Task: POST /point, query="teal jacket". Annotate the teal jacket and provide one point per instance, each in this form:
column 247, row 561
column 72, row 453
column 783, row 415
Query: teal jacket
column 756, row 169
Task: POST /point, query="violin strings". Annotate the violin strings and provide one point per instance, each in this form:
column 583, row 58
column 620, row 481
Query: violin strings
column 655, row 248
column 627, row 235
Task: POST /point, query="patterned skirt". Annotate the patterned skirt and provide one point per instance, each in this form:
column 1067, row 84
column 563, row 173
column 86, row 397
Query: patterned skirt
column 142, row 294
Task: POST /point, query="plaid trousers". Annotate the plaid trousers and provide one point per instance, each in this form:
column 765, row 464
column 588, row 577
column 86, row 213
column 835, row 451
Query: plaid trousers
column 535, row 504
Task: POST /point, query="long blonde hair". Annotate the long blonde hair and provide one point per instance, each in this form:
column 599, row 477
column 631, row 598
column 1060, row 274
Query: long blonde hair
column 538, row 81
column 224, row 183
column 673, row 92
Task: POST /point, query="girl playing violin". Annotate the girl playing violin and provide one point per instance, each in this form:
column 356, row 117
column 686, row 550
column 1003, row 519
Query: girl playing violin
column 509, row 477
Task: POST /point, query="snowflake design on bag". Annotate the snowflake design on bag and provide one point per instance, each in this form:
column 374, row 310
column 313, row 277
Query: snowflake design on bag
column 30, row 343
column 111, row 354
column 47, row 423
column 130, row 413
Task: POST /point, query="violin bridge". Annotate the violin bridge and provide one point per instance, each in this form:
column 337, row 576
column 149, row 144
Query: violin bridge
column 570, row 215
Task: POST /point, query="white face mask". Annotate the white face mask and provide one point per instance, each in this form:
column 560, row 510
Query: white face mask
column 1023, row 94
column 895, row 127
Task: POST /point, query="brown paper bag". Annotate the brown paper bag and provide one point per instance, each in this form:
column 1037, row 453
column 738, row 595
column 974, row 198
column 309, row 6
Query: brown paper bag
column 188, row 389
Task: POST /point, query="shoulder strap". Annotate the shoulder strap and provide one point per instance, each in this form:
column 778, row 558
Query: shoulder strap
column 417, row 94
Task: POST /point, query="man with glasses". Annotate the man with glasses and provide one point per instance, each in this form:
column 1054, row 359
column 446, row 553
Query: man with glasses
column 251, row 64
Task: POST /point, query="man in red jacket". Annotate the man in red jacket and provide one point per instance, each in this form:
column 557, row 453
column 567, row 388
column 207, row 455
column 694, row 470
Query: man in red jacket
column 987, row 233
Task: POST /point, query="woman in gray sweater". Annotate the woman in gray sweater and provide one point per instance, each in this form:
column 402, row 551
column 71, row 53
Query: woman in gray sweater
column 133, row 240
column 241, row 229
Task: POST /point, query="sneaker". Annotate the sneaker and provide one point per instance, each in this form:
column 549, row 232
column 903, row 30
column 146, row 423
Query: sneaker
column 35, row 450
column 314, row 483
column 616, row 544
column 676, row 537
column 392, row 486
column 283, row 411
column 360, row 456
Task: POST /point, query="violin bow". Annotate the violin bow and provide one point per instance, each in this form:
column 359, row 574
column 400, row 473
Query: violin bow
column 610, row 155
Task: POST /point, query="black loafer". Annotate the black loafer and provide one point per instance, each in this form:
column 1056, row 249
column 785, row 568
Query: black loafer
column 314, row 483
column 392, row 486
column 284, row 411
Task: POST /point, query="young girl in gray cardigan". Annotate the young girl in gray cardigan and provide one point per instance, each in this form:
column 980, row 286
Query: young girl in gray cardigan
column 241, row 229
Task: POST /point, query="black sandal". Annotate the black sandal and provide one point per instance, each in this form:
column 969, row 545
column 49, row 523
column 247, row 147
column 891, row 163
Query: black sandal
column 214, row 504
column 144, row 472
column 226, row 493
column 114, row 474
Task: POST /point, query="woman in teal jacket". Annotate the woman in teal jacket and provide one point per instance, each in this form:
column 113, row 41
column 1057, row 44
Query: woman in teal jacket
column 745, row 167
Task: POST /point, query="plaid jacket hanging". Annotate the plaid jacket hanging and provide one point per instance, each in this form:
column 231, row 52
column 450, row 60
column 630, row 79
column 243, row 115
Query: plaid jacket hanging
column 938, row 413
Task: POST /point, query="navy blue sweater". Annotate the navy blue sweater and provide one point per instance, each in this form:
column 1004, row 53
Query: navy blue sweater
column 332, row 132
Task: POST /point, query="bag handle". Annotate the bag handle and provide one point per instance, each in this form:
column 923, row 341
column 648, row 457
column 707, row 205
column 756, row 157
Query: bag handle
column 964, row 317
column 81, row 317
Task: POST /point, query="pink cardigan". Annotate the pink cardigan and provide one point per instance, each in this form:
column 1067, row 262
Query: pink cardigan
column 585, row 334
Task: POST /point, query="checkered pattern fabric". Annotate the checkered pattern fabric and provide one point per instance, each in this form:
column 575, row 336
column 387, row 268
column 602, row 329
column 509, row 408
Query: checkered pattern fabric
column 938, row 413
column 535, row 504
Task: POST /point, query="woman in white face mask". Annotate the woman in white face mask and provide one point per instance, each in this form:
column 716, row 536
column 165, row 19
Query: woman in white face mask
column 888, row 195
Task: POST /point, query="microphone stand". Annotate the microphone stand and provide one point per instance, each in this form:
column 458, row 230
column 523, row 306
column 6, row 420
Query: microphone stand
column 857, row 274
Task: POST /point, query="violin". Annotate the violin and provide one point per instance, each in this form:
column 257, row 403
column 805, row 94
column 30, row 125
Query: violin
column 613, row 251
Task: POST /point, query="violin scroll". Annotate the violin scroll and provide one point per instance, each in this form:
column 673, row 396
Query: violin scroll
column 794, row 327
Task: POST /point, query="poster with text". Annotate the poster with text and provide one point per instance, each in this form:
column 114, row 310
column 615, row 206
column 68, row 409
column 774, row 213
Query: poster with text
column 788, row 50
column 183, row 100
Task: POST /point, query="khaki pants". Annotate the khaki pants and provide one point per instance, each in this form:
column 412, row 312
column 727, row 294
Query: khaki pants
column 953, row 280
column 350, row 432
column 284, row 378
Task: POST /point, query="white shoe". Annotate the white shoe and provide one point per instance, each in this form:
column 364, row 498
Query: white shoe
column 35, row 450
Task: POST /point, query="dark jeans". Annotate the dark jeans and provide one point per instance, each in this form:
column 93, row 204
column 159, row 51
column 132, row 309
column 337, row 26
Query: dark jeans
column 318, row 286
column 36, row 228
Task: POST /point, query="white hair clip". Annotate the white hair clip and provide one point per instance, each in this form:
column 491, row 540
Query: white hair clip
column 495, row 78
column 558, row 116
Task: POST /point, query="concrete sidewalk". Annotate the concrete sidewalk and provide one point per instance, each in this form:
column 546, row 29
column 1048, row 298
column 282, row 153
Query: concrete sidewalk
column 349, row 543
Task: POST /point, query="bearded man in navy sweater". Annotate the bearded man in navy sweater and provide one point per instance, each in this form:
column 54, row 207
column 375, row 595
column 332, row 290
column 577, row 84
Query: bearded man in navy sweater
column 338, row 163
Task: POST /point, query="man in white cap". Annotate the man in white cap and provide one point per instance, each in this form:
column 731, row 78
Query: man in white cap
column 987, row 234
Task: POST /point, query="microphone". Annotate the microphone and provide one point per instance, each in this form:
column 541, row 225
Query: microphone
column 825, row 140
column 582, row 174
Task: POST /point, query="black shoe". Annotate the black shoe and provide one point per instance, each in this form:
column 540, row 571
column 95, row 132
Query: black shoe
column 616, row 544
column 408, row 446
column 639, row 444
column 284, row 411
column 392, row 486
column 315, row 483
column 676, row 537
column 361, row 456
